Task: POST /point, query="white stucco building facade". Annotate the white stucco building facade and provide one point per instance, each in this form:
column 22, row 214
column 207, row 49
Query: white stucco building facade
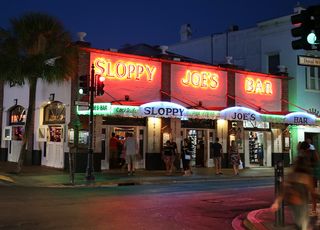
column 265, row 48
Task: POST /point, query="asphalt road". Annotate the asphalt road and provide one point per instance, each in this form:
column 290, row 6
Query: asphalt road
column 211, row 205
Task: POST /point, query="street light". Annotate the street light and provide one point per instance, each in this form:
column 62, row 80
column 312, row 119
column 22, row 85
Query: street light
column 89, row 171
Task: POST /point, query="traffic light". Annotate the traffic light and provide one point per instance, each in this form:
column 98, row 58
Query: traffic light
column 100, row 85
column 306, row 28
column 84, row 84
column 313, row 37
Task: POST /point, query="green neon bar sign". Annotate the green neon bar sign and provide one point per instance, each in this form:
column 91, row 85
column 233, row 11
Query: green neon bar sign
column 107, row 109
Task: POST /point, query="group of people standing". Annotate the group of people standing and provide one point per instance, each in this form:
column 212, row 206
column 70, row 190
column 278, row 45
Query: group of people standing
column 123, row 152
column 172, row 157
column 234, row 156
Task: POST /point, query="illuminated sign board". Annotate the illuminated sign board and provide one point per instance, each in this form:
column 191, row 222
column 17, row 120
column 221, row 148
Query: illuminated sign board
column 257, row 86
column 256, row 124
column 137, row 77
column 258, row 91
column 202, row 80
column 194, row 83
column 300, row 118
column 308, row 61
column 240, row 114
column 250, row 117
column 162, row 109
column 124, row 70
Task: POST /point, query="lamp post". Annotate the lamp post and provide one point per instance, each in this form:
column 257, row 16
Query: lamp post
column 89, row 171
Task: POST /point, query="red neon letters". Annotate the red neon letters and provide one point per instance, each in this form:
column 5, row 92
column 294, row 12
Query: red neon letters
column 124, row 70
column 256, row 86
column 204, row 80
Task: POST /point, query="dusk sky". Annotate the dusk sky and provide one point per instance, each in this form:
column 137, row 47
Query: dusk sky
column 111, row 24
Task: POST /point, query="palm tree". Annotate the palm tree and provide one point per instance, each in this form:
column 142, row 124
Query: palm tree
column 35, row 46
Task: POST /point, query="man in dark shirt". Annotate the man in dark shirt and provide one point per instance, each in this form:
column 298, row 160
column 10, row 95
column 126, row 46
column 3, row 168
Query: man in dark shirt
column 217, row 156
column 168, row 157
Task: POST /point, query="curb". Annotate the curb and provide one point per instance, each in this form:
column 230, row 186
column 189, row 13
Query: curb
column 254, row 223
column 6, row 179
column 238, row 222
column 138, row 181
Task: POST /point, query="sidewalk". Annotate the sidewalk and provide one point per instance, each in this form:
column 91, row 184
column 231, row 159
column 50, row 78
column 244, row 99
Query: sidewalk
column 42, row 176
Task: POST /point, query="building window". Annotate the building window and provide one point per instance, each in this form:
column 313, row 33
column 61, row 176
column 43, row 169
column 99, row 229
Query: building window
column 17, row 115
column 313, row 78
column 54, row 113
column 273, row 63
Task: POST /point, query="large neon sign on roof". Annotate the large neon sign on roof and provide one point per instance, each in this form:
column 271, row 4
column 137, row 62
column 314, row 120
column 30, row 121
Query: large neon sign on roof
column 203, row 79
column 123, row 70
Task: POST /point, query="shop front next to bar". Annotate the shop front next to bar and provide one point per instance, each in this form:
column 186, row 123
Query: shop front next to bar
column 261, row 142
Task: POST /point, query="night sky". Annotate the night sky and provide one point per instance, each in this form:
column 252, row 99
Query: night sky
column 111, row 24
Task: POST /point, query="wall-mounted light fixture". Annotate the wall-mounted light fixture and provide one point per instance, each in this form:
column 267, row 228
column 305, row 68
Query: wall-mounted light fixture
column 15, row 101
column 51, row 97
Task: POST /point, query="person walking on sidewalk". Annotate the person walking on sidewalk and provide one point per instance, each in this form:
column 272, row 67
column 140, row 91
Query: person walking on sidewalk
column 307, row 150
column 297, row 188
column 130, row 147
column 168, row 157
column 113, row 151
column 177, row 157
column 217, row 156
column 234, row 157
column 186, row 156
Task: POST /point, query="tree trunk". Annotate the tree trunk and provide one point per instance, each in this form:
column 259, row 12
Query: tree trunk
column 27, row 139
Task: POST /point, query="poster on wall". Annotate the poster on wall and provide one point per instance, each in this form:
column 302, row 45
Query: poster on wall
column 196, row 84
column 259, row 91
column 127, row 77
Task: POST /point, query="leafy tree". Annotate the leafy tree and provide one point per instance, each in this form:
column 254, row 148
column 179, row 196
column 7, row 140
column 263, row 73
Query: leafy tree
column 35, row 46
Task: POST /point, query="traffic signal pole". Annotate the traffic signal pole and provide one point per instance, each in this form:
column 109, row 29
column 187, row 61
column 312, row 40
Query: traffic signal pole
column 89, row 171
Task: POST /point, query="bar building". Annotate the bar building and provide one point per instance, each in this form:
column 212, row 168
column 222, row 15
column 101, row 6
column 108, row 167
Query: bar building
column 156, row 96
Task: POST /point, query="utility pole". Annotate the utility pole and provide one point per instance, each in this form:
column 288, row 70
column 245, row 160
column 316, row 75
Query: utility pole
column 89, row 172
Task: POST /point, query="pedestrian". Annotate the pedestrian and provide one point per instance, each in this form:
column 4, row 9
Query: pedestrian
column 121, row 152
column 311, row 146
column 113, row 151
column 217, row 156
column 299, row 147
column 186, row 156
column 234, row 157
column 295, row 192
column 130, row 147
column 307, row 150
column 167, row 156
column 177, row 157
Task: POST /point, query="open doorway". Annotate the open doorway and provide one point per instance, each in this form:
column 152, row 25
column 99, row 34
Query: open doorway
column 315, row 139
column 198, row 139
column 116, row 142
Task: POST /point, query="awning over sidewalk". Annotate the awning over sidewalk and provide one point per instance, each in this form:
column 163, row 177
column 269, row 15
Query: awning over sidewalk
column 173, row 110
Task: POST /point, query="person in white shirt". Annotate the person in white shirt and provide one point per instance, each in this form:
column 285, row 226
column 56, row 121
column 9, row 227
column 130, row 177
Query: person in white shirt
column 311, row 146
column 130, row 148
